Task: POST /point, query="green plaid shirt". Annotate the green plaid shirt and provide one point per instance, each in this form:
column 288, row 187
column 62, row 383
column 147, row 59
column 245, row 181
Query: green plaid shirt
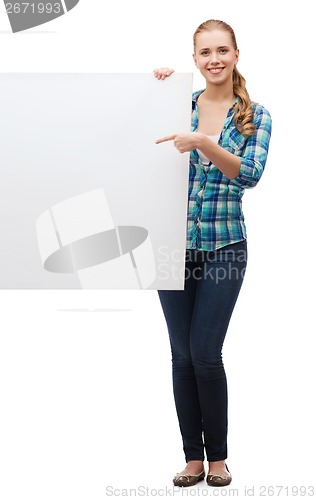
column 215, row 216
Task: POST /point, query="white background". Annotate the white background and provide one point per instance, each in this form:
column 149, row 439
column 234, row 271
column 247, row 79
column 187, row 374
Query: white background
column 86, row 395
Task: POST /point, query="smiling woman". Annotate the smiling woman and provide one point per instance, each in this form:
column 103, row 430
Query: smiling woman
column 216, row 53
column 213, row 59
column 228, row 144
column 216, row 56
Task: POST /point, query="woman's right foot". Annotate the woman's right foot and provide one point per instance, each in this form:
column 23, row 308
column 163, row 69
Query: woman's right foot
column 191, row 474
column 218, row 474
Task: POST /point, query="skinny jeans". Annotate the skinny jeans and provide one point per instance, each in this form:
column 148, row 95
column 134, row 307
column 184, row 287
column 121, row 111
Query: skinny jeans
column 197, row 320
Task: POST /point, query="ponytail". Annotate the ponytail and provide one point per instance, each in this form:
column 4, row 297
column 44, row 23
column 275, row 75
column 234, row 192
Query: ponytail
column 243, row 118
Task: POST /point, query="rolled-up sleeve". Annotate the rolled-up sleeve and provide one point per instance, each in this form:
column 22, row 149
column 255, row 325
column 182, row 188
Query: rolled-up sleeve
column 254, row 155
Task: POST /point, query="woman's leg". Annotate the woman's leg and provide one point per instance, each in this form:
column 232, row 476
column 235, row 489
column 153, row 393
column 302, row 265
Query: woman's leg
column 216, row 294
column 178, row 308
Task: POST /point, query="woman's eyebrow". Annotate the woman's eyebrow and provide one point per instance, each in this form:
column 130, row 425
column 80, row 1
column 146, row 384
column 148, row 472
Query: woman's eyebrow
column 220, row 47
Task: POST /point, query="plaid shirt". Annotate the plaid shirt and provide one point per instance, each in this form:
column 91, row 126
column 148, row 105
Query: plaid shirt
column 215, row 216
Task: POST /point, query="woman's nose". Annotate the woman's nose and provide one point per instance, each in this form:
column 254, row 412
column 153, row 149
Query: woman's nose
column 214, row 58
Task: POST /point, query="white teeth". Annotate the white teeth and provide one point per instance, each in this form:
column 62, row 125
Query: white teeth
column 216, row 70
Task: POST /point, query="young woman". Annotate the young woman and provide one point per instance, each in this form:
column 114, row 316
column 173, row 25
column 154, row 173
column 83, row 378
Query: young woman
column 228, row 146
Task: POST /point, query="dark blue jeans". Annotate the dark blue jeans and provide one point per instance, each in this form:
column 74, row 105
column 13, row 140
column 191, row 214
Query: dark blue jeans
column 197, row 319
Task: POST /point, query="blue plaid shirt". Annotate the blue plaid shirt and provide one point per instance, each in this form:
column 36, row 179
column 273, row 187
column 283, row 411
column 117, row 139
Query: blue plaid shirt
column 215, row 216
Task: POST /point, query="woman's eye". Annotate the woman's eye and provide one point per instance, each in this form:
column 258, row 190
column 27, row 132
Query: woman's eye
column 206, row 52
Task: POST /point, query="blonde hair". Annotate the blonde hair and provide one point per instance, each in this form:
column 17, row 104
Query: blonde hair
column 243, row 118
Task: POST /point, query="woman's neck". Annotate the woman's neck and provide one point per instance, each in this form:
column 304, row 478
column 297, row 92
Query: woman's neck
column 218, row 93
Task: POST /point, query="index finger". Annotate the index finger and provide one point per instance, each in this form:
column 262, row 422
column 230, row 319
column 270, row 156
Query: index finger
column 167, row 138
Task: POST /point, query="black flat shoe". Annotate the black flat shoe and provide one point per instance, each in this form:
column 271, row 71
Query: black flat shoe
column 219, row 479
column 188, row 479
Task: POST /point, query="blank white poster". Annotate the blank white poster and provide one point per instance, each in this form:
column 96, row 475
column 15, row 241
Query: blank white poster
column 88, row 199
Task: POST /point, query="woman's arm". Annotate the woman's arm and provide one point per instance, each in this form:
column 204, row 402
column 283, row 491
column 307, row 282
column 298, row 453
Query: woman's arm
column 247, row 169
column 228, row 163
column 255, row 153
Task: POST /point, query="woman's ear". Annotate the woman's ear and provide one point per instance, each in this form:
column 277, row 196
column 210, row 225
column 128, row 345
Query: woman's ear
column 194, row 59
column 237, row 56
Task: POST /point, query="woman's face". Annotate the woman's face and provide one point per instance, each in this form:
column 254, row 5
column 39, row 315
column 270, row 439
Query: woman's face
column 215, row 55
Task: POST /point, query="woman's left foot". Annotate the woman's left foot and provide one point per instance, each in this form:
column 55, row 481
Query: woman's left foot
column 218, row 474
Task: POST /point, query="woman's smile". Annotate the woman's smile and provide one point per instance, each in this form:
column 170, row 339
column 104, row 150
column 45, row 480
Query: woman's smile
column 215, row 71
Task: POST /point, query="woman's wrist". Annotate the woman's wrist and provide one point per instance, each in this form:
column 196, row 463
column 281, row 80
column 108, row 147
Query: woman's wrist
column 201, row 140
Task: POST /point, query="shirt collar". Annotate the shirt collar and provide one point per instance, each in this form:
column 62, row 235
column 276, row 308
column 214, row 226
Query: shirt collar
column 196, row 94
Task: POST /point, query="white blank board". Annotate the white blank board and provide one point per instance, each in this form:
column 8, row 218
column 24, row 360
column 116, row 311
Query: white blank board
column 88, row 200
